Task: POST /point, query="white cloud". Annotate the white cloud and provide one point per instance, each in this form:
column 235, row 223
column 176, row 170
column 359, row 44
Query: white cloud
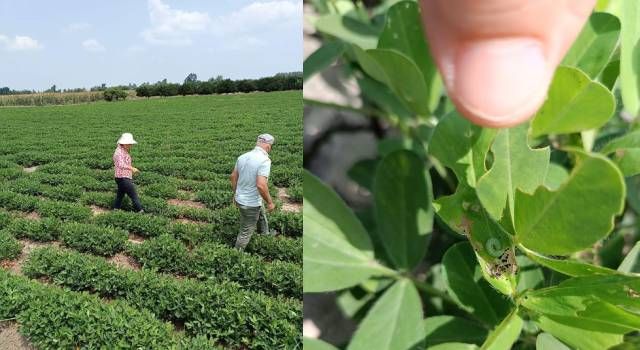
column 258, row 16
column 173, row 27
column 92, row 45
column 77, row 27
column 177, row 27
column 19, row 43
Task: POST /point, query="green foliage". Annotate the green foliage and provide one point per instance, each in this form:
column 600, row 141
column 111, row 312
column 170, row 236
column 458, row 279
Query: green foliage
column 551, row 208
column 535, row 205
column 403, row 208
column 209, row 309
column 286, row 223
column 595, row 45
column 115, row 94
column 575, row 103
column 626, row 152
column 10, row 248
column 93, row 239
column 295, row 192
column 401, row 305
column 63, row 210
column 212, row 260
column 338, row 253
column 73, row 154
column 139, row 224
column 38, row 230
column 629, row 56
column 467, row 286
column 53, row 318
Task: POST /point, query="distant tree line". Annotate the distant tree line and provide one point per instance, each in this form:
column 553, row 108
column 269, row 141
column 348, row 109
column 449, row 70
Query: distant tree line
column 220, row 85
column 190, row 86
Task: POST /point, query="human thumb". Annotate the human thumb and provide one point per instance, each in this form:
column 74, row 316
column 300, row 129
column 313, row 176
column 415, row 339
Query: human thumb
column 497, row 57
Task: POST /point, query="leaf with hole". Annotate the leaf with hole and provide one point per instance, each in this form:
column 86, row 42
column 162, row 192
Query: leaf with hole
column 549, row 222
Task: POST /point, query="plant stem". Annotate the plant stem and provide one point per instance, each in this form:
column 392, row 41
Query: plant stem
column 425, row 287
column 445, row 297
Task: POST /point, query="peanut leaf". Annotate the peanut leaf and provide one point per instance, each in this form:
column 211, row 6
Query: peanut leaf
column 404, row 215
column 337, row 250
column 511, row 155
column 394, row 321
column 574, row 103
column 577, row 214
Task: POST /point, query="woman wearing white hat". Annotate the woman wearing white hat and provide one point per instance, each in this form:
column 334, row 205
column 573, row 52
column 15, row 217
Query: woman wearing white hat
column 124, row 172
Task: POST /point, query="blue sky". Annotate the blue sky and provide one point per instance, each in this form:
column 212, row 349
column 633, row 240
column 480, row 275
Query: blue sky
column 80, row 43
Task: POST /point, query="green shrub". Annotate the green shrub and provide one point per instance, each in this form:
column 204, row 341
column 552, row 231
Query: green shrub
column 268, row 246
column 100, row 199
column 54, row 318
column 26, row 186
column 44, row 230
column 11, row 173
column 10, row 248
column 140, row 224
column 93, row 239
column 5, row 219
column 160, row 190
column 115, row 94
column 215, row 199
column 189, row 233
column 286, row 223
column 221, row 311
column 15, row 201
column 63, row 210
column 213, row 260
column 66, row 192
column 164, row 253
column 295, row 192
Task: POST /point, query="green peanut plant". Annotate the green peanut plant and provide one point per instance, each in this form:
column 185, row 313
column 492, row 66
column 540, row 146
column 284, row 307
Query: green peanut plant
column 479, row 238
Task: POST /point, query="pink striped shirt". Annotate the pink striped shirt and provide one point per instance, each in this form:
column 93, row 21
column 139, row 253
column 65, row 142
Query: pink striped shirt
column 122, row 163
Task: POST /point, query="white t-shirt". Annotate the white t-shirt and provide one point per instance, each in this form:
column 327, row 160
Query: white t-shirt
column 250, row 165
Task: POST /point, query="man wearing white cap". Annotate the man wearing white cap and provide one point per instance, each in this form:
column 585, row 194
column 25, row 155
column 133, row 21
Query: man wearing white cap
column 250, row 191
column 124, row 172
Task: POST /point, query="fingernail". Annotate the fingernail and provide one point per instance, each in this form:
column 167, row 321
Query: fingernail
column 500, row 82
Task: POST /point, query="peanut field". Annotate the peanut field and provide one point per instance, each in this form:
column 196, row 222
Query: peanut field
column 76, row 274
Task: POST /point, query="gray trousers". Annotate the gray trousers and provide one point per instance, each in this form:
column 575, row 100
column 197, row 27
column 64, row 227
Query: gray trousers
column 249, row 218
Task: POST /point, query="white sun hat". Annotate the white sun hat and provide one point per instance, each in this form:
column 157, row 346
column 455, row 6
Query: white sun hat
column 126, row 139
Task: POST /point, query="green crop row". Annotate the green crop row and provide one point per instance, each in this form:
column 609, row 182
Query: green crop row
column 90, row 238
column 54, row 318
column 48, row 208
column 286, row 223
column 105, row 242
column 269, row 247
column 220, row 311
column 213, row 260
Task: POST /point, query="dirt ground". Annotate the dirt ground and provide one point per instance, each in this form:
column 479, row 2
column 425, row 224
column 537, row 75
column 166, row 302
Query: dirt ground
column 10, row 339
column 96, row 210
column 124, row 261
column 135, row 239
column 186, row 203
column 30, row 169
column 32, row 216
column 15, row 266
column 287, row 203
